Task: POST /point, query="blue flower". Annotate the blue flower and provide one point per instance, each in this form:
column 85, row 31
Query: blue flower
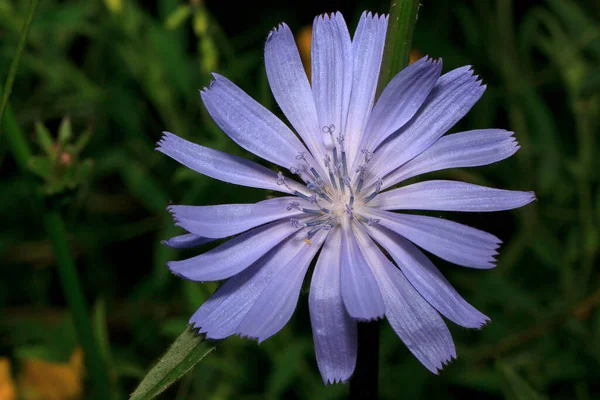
column 352, row 149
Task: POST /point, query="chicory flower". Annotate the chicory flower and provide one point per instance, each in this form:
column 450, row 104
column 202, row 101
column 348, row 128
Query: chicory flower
column 349, row 151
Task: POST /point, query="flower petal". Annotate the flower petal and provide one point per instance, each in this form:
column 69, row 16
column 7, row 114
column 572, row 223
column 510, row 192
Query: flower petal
column 230, row 219
column 451, row 196
column 359, row 288
column 186, row 241
column 334, row 332
column 276, row 304
column 367, row 50
column 451, row 98
column 400, row 100
column 222, row 166
column 233, row 256
column 454, row 242
column 250, row 124
column 427, row 279
column 291, row 89
column 223, row 312
column 464, row 149
column 413, row 319
column 332, row 65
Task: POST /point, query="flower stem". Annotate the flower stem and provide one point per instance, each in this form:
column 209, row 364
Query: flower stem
column 398, row 41
column 364, row 381
column 396, row 55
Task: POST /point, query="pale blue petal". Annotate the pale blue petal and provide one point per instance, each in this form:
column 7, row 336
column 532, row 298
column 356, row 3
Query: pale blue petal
column 400, row 100
column 291, row 89
column 451, row 98
column 334, row 331
column 427, row 279
column 451, row 196
column 454, row 242
column 223, row 312
column 413, row 319
column 276, row 304
column 332, row 66
column 230, row 219
column 250, row 124
column 233, row 256
column 367, row 50
column 465, row 149
column 222, row 166
column 186, row 241
column 359, row 289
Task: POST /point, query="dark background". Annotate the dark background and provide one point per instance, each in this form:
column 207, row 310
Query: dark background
column 126, row 74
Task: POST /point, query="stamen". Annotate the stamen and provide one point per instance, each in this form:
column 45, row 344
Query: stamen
column 309, row 211
column 349, row 211
column 331, row 175
column 362, row 168
column 304, row 197
column 316, row 229
column 319, row 221
column 361, row 171
column 372, row 221
column 347, row 182
column 377, row 189
column 281, row 181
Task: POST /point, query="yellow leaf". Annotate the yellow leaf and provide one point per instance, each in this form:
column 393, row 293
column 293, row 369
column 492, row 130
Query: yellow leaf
column 7, row 386
column 43, row 380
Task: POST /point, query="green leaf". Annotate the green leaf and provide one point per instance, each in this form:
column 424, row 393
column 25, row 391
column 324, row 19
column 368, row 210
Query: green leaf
column 515, row 387
column 44, row 139
column 64, row 131
column 187, row 350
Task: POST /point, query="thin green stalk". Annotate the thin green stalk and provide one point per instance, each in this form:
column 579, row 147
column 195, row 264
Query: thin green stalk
column 95, row 364
column 14, row 65
column 396, row 55
column 398, row 42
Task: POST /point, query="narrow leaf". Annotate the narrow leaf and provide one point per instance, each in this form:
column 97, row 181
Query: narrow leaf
column 187, row 350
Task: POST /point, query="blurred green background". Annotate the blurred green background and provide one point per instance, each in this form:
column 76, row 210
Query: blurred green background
column 123, row 71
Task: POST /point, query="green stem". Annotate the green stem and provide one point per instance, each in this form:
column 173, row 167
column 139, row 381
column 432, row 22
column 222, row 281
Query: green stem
column 95, row 363
column 396, row 54
column 398, row 42
column 14, row 65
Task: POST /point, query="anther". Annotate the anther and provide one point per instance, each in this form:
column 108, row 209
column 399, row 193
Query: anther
column 372, row 221
column 296, row 224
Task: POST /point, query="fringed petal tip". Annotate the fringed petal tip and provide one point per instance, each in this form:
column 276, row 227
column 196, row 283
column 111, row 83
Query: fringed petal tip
column 335, row 380
column 374, row 16
column 165, row 140
column 258, row 339
column 279, row 28
column 444, row 363
column 373, row 319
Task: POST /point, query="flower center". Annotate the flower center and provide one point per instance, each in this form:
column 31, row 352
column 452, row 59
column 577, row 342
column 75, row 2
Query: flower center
column 334, row 196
